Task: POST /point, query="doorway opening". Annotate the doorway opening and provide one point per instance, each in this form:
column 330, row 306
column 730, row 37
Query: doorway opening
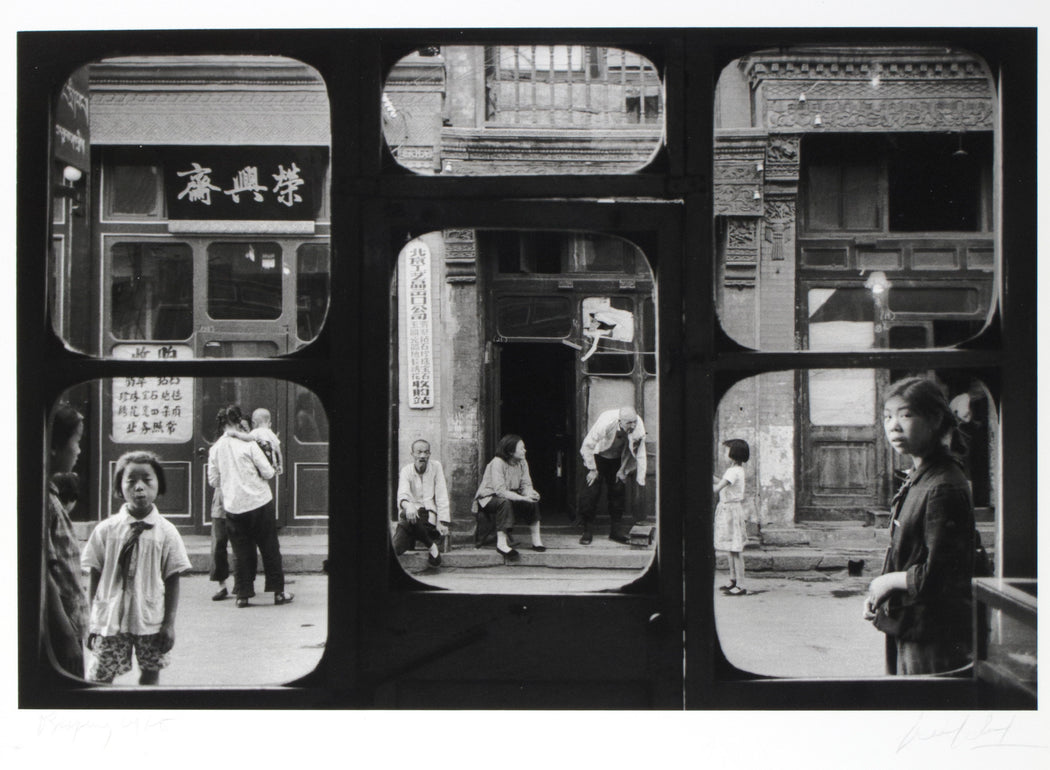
column 538, row 402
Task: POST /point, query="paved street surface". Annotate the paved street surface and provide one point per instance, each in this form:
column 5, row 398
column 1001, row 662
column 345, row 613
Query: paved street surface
column 799, row 626
column 216, row 643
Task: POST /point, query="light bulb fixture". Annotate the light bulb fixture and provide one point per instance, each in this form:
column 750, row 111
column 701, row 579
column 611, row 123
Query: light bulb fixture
column 756, row 195
column 67, row 189
column 960, row 152
column 759, row 167
column 802, row 98
column 447, row 167
column 877, row 283
column 817, row 121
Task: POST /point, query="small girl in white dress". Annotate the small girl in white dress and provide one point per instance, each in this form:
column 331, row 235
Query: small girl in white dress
column 731, row 515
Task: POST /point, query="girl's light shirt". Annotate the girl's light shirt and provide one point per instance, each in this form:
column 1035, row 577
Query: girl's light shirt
column 160, row 553
column 239, row 468
column 736, row 488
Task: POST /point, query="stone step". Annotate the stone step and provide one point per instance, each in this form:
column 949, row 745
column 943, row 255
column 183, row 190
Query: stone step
column 823, row 548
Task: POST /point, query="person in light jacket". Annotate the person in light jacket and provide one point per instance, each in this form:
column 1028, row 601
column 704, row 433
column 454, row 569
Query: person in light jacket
column 613, row 448
column 240, row 469
column 422, row 504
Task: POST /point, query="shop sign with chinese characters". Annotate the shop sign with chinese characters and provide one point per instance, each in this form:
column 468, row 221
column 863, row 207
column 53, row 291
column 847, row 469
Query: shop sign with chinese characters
column 419, row 326
column 231, row 183
column 152, row 410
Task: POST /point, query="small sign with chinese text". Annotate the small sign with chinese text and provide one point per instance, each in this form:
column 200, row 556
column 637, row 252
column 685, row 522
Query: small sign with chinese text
column 152, row 410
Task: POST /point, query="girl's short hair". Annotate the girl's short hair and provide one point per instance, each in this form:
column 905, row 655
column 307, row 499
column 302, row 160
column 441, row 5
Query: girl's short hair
column 925, row 397
column 507, row 445
column 139, row 456
column 64, row 424
column 738, row 449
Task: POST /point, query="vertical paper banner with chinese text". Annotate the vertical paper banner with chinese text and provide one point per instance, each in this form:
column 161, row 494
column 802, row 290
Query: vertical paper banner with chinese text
column 419, row 326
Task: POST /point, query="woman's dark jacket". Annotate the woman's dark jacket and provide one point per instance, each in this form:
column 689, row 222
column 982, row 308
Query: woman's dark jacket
column 932, row 539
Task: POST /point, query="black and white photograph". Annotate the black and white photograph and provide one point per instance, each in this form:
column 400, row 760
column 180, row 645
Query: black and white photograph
column 678, row 374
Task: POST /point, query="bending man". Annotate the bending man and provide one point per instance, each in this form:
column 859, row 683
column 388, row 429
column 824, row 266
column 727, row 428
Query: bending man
column 613, row 448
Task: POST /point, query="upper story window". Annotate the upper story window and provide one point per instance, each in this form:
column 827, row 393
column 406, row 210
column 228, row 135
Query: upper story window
column 523, row 109
column 853, row 197
column 900, row 183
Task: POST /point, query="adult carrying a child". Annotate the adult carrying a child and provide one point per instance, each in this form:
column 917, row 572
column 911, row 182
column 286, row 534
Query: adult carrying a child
column 240, row 470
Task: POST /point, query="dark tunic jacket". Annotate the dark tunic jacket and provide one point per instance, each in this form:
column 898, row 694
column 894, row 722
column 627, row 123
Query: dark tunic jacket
column 932, row 539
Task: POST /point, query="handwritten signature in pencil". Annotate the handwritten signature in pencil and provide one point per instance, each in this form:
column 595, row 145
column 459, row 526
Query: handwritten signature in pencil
column 967, row 732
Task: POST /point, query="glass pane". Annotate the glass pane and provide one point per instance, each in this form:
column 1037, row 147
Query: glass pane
column 599, row 255
column 825, row 197
column 534, row 317
column 860, row 205
column 485, row 353
column 211, row 179
column 870, row 165
column 941, row 299
column 133, row 190
column 841, row 319
column 841, row 396
column 523, row 109
column 151, row 291
column 88, row 510
column 240, row 349
column 311, row 288
column 311, row 421
column 807, row 513
column 935, row 181
column 244, row 280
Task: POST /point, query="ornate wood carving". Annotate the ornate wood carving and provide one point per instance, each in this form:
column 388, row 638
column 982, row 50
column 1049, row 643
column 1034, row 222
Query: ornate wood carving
column 741, row 249
column 461, row 256
column 876, row 114
column 872, row 89
column 779, row 231
column 782, row 157
column 738, row 173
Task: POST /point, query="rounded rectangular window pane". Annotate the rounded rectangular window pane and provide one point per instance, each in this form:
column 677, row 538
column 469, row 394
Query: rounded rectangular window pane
column 134, row 190
column 869, row 170
column 173, row 222
column 103, row 432
column 483, row 353
column 244, row 281
column 151, row 291
column 312, row 288
column 807, row 507
column 523, row 109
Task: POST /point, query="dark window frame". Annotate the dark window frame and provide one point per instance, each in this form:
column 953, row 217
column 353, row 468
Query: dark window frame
column 364, row 248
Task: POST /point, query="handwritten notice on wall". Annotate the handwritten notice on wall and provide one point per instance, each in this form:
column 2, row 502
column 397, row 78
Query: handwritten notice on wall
column 152, row 410
column 419, row 326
